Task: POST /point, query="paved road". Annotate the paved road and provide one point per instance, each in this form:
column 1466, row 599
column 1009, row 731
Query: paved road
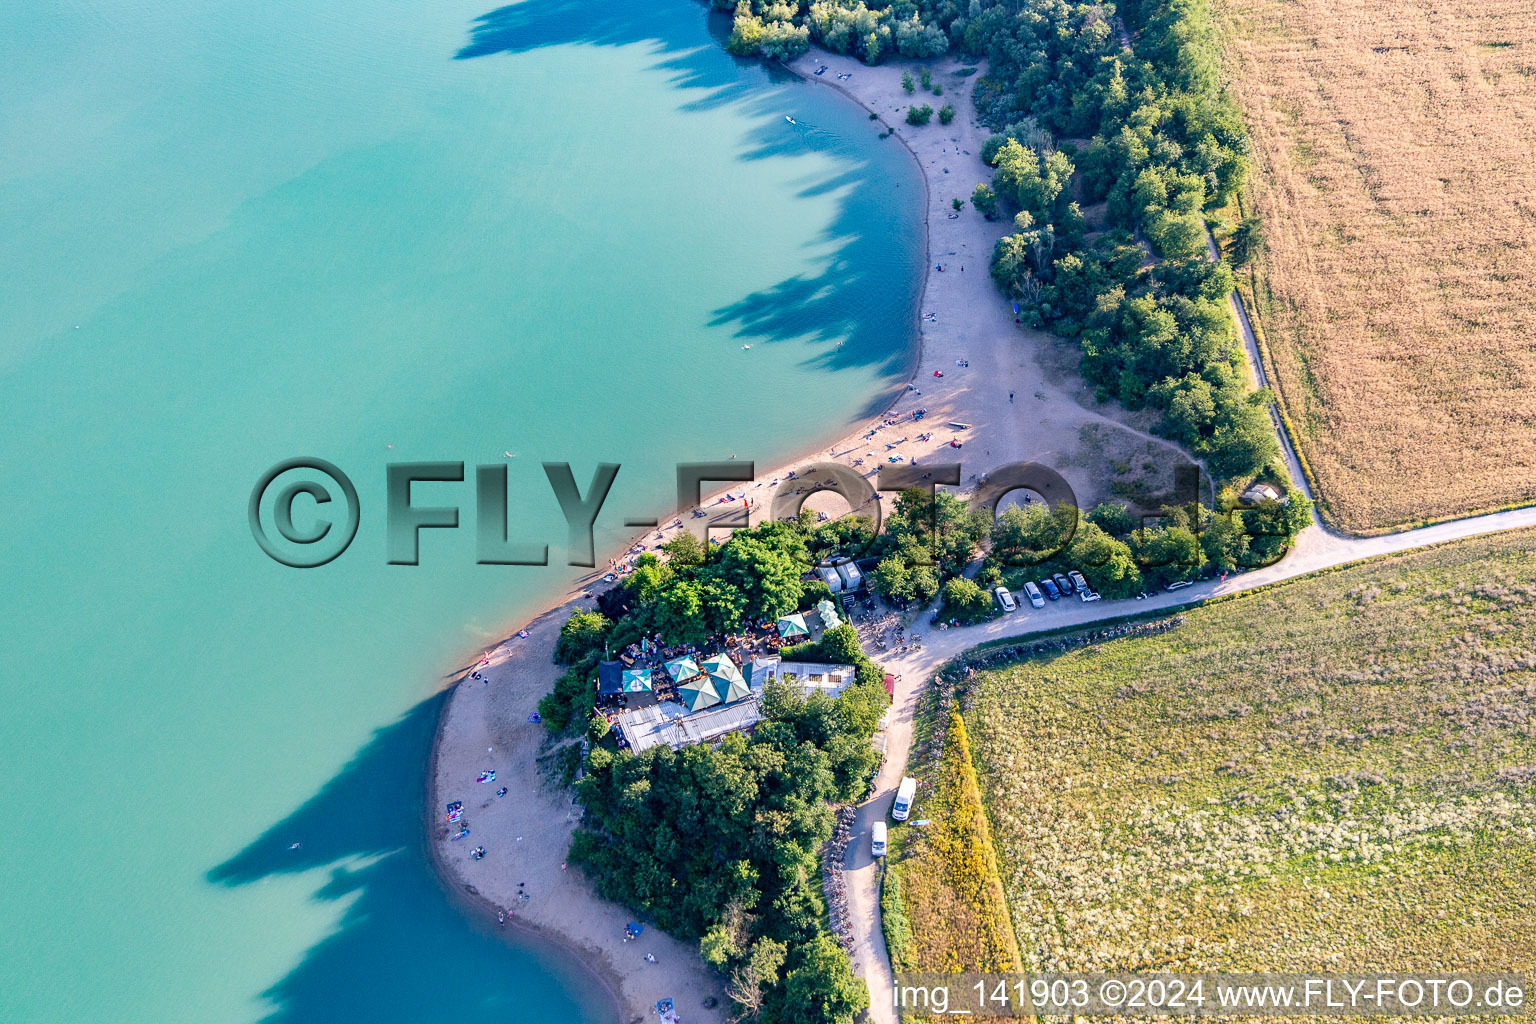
column 1315, row 549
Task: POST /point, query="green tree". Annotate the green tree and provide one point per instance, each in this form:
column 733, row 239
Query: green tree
column 1191, row 405
column 965, row 601
column 823, row 988
column 985, row 200
column 939, row 524
column 907, row 83
column 1243, row 441
column 765, row 564
column 581, row 636
column 1114, row 518
column 892, row 579
column 1178, row 236
column 1030, row 535
column 925, row 583
column 1106, row 563
column 1247, row 242
column 678, row 613
column 684, row 549
column 747, row 32
column 1167, row 554
column 1031, row 180
column 1225, row 541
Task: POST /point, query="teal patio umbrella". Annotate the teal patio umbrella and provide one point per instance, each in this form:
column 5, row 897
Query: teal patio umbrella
column 726, row 679
column 682, row 668
column 793, row 625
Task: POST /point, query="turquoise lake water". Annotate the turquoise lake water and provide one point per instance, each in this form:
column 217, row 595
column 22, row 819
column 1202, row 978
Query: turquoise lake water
column 235, row 234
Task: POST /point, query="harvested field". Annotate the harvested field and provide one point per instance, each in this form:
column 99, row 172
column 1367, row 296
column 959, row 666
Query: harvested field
column 1395, row 173
column 1338, row 773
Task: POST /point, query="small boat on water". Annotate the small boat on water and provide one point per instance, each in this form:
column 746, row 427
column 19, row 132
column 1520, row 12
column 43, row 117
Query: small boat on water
column 790, row 119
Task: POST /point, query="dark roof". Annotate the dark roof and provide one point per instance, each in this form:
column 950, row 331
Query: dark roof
column 610, row 677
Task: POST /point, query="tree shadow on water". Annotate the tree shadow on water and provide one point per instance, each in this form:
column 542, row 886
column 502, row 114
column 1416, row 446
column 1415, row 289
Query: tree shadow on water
column 860, row 305
column 401, row 954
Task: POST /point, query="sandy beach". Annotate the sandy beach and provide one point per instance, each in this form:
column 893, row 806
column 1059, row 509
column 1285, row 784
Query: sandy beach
column 1022, row 401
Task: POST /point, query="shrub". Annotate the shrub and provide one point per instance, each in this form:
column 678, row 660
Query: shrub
column 946, row 114
column 965, row 601
column 919, row 115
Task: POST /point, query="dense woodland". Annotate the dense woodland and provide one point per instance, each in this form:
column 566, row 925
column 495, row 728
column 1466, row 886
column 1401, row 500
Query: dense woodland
column 722, row 845
column 1082, row 121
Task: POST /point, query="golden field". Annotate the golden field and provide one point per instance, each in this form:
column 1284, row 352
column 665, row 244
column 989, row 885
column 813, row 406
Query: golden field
column 943, row 882
column 1394, row 169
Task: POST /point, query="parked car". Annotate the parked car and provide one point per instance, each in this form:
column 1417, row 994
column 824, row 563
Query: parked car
column 1051, row 590
column 877, row 839
column 1063, row 584
column 1176, row 584
column 1078, row 580
column 1033, row 593
column 1005, row 599
column 1088, row 595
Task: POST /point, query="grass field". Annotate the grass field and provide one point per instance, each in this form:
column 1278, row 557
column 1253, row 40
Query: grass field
column 1395, row 173
column 1338, row 773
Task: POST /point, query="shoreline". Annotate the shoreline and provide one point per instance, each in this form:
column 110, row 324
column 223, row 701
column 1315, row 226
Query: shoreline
column 466, row 895
column 970, row 322
column 468, row 900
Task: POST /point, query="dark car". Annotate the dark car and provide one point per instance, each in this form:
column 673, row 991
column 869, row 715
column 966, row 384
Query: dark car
column 1063, row 584
column 1078, row 580
column 1050, row 589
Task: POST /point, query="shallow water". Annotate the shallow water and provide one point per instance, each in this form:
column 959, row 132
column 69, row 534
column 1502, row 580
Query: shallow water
column 235, row 235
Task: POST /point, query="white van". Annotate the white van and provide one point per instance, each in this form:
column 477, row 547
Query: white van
column 904, row 794
column 877, row 839
column 1005, row 600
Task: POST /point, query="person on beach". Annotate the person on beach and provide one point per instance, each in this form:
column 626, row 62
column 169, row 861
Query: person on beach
column 1010, row 397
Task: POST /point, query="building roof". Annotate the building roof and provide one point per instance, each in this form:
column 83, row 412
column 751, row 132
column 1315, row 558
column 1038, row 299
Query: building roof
column 808, row 676
column 673, row 725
